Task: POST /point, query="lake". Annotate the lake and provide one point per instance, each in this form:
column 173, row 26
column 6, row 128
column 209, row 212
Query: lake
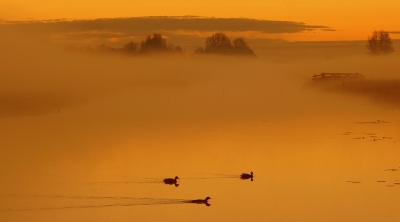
column 103, row 154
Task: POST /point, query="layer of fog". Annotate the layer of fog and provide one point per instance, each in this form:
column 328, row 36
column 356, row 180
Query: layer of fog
column 55, row 104
column 40, row 78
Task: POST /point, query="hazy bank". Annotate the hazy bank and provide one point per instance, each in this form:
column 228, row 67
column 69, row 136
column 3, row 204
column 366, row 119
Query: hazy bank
column 39, row 77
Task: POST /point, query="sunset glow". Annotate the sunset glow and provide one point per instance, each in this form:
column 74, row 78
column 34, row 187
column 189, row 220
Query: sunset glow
column 212, row 110
column 351, row 20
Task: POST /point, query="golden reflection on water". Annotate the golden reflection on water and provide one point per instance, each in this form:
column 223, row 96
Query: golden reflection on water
column 298, row 174
column 315, row 157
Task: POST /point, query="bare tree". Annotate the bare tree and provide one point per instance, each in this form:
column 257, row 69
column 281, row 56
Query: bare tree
column 174, row 48
column 240, row 47
column 218, row 43
column 380, row 43
column 131, row 47
column 157, row 44
column 153, row 43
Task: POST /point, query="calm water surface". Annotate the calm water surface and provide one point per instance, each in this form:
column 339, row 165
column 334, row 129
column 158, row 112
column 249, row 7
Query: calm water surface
column 315, row 157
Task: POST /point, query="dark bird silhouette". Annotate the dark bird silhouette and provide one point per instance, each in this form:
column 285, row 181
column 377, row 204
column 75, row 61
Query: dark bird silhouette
column 172, row 181
column 201, row 201
column 246, row 176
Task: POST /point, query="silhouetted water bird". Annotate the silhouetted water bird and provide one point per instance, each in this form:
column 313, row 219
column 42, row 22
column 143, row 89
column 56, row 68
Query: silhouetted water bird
column 201, row 201
column 172, row 181
column 246, row 176
column 358, row 138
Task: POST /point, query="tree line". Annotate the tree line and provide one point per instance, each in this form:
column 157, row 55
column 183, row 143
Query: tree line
column 152, row 44
column 217, row 43
column 379, row 43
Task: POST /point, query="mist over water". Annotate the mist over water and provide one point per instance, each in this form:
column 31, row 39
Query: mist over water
column 92, row 138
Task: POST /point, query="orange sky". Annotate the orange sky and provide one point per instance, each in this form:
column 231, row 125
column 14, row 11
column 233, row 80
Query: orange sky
column 353, row 20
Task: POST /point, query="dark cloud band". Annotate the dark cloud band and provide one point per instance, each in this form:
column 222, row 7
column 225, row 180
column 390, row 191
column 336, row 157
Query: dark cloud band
column 189, row 23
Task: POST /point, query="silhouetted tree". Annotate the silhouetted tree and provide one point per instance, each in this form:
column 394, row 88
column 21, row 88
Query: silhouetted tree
column 380, row 43
column 153, row 43
column 218, row 43
column 156, row 43
column 131, row 47
column 174, row 48
column 240, row 47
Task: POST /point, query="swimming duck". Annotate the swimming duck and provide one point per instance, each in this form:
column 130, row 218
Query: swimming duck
column 200, row 201
column 246, row 176
column 171, row 180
